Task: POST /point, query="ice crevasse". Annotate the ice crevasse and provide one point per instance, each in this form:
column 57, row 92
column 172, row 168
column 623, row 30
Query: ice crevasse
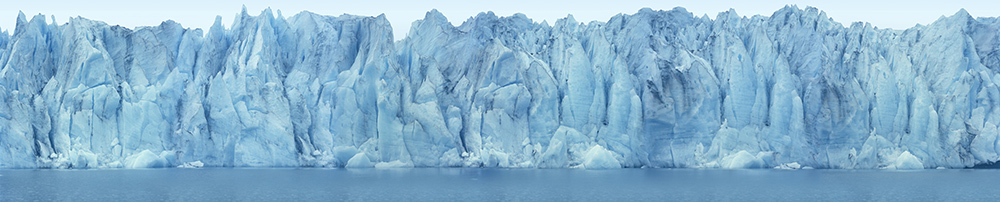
column 650, row 89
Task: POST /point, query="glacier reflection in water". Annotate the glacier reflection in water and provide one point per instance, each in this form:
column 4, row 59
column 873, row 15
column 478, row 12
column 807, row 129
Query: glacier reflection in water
column 466, row 184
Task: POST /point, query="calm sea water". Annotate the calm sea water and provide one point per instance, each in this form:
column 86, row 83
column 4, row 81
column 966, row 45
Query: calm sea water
column 464, row 184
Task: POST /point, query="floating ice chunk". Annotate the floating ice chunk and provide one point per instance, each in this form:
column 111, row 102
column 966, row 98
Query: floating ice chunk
column 599, row 158
column 194, row 164
column 789, row 166
column 907, row 161
column 393, row 164
column 360, row 160
column 145, row 159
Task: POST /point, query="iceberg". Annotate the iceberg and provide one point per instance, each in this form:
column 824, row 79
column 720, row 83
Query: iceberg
column 599, row 158
column 906, row 161
column 145, row 159
column 741, row 160
column 359, row 160
column 657, row 88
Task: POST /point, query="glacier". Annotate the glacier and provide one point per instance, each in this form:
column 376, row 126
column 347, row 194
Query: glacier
column 657, row 89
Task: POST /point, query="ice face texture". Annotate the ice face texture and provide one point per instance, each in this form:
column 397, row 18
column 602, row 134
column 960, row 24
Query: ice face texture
column 651, row 89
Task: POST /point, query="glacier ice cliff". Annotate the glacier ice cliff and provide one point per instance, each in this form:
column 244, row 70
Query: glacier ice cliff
column 651, row 89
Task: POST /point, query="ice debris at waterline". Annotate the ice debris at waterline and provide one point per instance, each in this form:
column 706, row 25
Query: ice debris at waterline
column 651, row 89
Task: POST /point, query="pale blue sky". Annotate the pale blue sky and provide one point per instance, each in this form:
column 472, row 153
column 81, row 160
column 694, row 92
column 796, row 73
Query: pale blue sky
column 201, row 13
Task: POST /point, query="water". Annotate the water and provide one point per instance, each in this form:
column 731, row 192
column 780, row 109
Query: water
column 465, row 184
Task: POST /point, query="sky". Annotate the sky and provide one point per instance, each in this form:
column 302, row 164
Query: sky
column 201, row 13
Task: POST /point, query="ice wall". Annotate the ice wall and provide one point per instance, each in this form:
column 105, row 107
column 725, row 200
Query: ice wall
column 652, row 89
